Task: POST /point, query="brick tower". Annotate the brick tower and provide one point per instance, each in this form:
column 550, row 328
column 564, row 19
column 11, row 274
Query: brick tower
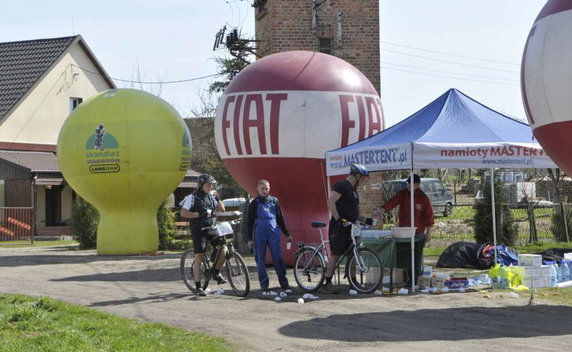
column 348, row 29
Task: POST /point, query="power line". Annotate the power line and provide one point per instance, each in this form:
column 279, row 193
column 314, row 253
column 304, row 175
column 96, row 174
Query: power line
column 455, row 55
column 447, row 61
column 453, row 73
column 149, row 82
column 444, row 76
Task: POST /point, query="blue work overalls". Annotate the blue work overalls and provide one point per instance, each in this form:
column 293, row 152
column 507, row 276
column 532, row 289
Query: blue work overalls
column 267, row 233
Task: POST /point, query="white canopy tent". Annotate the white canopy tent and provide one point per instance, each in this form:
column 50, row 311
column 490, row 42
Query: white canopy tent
column 453, row 131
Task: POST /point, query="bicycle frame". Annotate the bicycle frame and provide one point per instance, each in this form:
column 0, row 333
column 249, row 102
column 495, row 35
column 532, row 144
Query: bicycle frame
column 219, row 232
column 321, row 248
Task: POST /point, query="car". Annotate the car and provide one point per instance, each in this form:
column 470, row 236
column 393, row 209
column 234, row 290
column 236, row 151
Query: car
column 441, row 198
column 233, row 202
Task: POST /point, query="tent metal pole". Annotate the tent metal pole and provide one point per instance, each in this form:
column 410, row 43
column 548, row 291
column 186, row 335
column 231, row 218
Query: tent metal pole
column 494, row 213
column 412, row 224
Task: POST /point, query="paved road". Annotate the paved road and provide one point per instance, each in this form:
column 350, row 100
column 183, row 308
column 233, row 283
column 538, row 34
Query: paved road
column 149, row 288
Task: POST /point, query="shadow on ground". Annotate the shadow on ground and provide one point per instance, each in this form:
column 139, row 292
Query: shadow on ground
column 437, row 324
column 46, row 259
column 152, row 298
column 145, row 275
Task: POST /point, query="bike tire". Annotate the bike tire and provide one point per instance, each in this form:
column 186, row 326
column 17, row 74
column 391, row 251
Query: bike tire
column 187, row 273
column 237, row 274
column 309, row 269
column 371, row 278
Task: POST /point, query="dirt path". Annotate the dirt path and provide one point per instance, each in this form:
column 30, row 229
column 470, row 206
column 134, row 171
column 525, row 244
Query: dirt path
column 149, row 288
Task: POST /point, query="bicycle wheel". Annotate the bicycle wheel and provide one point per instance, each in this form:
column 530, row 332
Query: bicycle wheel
column 310, row 269
column 237, row 274
column 365, row 272
column 187, row 273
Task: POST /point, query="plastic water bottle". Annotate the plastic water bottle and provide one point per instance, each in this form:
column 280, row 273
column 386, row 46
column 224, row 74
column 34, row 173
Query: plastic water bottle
column 563, row 272
column 569, row 267
column 553, row 274
column 484, row 279
column 502, row 279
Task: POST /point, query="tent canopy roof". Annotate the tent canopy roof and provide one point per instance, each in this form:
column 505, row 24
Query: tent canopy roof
column 453, row 118
column 452, row 131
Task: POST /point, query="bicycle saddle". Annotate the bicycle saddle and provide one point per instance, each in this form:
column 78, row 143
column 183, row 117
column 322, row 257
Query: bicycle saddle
column 316, row 224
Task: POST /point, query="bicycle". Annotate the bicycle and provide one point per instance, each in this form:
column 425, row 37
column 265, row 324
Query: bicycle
column 234, row 266
column 363, row 270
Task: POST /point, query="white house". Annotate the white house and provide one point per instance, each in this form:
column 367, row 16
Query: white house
column 41, row 81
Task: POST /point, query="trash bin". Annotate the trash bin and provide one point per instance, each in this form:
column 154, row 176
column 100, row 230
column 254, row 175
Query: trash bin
column 403, row 255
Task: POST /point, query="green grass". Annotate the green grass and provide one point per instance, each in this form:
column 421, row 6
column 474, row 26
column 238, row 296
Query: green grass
column 531, row 248
column 44, row 324
column 561, row 296
column 20, row 244
column 541, row 247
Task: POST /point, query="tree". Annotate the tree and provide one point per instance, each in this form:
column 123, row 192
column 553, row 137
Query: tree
column 205, row 157
column 84, row 222
column 228, row 67
column 506, row 227
column 555, row 176
column 166, row 227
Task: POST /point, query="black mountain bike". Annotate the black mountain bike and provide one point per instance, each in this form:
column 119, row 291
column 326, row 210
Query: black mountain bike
column 234, row 267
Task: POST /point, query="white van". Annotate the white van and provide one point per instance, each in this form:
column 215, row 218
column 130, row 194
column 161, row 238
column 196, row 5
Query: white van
column 441, row 198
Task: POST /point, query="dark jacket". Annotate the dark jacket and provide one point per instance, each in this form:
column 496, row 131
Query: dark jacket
column 201, row 202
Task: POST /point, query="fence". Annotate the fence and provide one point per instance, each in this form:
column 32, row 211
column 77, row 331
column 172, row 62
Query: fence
column 534, row 224
column 16, row 224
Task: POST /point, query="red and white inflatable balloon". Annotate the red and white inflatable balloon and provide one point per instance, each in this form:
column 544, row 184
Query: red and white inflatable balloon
column 546, row 81
column 279, row 116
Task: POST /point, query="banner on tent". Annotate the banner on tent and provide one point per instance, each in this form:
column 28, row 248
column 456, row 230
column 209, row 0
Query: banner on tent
column 497, row 155
column 387, row 157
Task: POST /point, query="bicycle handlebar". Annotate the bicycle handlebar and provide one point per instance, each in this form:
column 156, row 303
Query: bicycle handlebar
column 221, row 229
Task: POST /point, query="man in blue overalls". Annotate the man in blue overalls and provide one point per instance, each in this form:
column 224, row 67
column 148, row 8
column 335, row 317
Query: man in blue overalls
column 265, row 222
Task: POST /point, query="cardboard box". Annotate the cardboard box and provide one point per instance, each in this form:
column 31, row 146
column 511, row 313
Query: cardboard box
column 521, row 271
column 534, row 260
column 527, row 271
column 399, row 276
column 438, row 280
column 537, row 282
column 457, row 282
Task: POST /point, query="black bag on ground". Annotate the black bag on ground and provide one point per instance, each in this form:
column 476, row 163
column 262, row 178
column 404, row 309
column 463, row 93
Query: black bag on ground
column 459, row 255
column 554, row 254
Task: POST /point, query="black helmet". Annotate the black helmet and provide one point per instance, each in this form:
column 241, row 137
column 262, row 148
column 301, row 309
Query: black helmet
column 206, row 178
column 358, row 169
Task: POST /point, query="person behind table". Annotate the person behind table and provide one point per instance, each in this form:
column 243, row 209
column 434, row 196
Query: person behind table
column 344, row 206
column 423, row 215
column 265, row 222
column 199, row 207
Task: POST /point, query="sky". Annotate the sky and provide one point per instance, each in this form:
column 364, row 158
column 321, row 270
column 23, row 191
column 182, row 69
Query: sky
column 427, row 46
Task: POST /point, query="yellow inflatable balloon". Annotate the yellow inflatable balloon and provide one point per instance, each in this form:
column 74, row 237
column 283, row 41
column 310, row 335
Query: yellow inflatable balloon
column 124, row 151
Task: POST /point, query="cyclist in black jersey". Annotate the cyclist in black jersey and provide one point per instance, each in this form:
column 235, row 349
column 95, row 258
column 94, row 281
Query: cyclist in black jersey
column 200, row 207
column 344, row 206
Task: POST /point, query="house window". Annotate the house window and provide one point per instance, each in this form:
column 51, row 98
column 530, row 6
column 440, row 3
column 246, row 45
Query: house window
column 325, row 45
column 74, row 102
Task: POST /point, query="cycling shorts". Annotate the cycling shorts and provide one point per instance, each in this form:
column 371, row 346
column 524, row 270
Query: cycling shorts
column 340, row 237
column 200, row 240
